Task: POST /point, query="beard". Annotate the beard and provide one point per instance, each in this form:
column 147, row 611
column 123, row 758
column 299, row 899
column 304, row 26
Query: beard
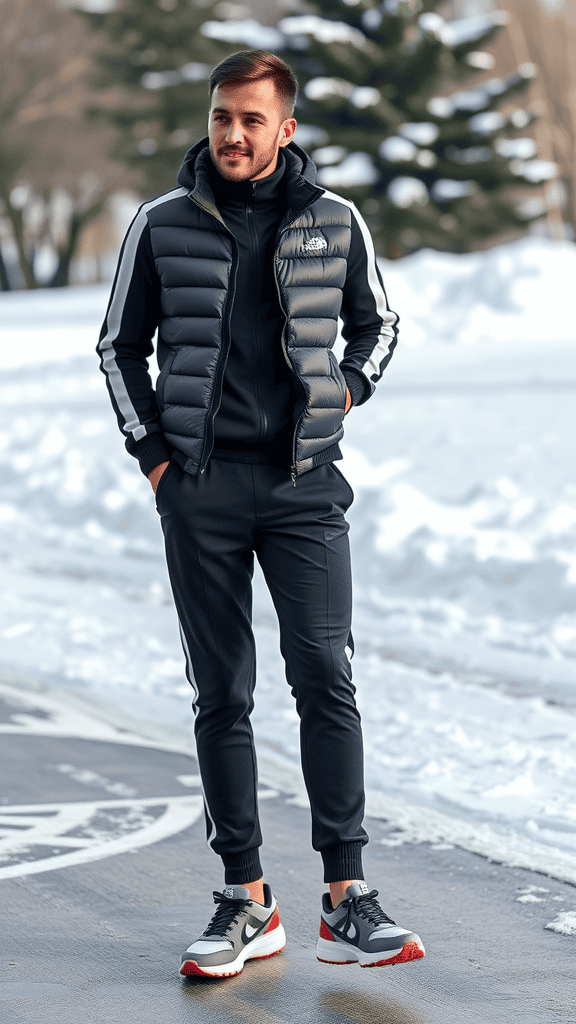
column 251, row 165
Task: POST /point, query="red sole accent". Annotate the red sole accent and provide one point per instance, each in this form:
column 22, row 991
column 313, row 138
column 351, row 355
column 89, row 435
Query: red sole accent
column 411, row 951
column 191, row 969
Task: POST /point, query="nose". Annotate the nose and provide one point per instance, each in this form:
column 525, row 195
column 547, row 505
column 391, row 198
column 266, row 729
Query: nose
column 234, row 133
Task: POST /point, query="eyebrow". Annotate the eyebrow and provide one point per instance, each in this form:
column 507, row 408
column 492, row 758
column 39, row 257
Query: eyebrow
column 245, row 113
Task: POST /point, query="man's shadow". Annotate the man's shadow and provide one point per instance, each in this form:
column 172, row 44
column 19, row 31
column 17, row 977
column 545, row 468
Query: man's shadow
column 361, row 1008
column 264, row 996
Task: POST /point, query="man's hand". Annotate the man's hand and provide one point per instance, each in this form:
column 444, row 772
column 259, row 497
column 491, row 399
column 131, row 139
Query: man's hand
column 156, row 473
column 348, row 404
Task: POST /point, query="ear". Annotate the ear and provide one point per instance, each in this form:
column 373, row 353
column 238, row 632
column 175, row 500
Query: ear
column 287, row 129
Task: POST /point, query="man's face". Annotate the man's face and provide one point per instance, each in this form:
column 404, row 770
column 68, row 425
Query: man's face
column 246, row 127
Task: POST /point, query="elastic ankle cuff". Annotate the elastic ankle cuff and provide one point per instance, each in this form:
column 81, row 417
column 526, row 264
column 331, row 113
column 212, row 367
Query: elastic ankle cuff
column 242, row 867
column 343, row 861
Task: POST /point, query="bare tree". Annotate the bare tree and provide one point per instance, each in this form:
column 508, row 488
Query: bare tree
column 55, row 174
column 545, row 34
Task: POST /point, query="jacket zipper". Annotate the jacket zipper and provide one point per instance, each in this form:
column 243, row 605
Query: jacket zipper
column 253, row 236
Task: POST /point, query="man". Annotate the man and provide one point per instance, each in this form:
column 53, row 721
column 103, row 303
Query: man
column 244, row 269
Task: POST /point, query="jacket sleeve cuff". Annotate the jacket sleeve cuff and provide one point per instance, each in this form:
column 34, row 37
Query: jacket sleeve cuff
column 150, row 452
column 357, row 385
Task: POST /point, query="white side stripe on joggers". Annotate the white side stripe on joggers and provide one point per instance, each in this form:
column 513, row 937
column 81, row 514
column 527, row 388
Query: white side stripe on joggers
column 192, row 680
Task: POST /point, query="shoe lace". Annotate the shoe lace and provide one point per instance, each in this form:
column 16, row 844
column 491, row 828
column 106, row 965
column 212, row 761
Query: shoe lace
column 226, row 914
column 367, row 906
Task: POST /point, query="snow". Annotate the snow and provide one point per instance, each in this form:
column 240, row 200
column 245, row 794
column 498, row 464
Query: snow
column 534, row 170
column 395, row 148
column 328, row 155
column 487, row 122
column 480, row 60
column 480, row 96
column 365, row 96
column 324, row 31
column 564, row 924
column 423, row 133
column 447, row 188
column 321, row 88
column 522, row 149
column 463, row 533
column 355, row 169
column 245, row 30
column 405, row 190
column 191, row 72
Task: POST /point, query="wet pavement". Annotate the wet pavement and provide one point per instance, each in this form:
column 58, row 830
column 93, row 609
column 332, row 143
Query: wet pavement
column 105, row 878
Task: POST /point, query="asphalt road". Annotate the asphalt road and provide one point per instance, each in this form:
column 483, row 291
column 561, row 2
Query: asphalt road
column 105, row 878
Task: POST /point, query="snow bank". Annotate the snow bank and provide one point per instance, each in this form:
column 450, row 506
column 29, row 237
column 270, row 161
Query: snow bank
column 512, row 294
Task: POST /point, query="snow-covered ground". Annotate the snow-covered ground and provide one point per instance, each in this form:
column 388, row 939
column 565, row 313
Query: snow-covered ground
column 463, row 532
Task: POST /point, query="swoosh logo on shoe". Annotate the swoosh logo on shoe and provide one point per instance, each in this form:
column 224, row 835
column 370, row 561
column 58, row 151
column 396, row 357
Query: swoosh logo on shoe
column 346, row 936
column 251, row 928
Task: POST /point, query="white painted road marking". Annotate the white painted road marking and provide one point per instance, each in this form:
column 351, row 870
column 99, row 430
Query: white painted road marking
column 66, row 717
column 89, row 778
column 99, row 833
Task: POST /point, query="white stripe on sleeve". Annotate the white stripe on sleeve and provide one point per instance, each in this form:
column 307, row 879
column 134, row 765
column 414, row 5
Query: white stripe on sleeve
column 389, row 319
column 132, row 423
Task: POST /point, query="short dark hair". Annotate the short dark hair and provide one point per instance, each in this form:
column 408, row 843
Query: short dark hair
column 254, row 66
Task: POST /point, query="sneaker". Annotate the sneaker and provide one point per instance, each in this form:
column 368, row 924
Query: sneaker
column 240, row 930
column 359, row 932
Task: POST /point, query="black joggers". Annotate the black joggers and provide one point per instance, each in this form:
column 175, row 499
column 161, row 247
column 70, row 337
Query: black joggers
column 213, row 524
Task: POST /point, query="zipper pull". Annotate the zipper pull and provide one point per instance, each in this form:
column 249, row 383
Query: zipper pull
column 293, row 475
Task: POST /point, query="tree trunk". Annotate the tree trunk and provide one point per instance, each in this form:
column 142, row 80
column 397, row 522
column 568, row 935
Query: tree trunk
column 67, row 250
column 4, row 281
column 17, row 221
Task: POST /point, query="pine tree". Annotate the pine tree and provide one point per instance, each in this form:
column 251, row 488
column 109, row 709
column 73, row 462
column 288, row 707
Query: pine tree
column 154, row 64
column 440, row 165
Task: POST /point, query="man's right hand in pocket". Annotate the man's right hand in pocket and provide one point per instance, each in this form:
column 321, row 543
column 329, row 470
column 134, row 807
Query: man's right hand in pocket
column 156, row 473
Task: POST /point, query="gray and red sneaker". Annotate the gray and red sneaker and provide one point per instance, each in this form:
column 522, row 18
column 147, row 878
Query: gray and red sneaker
column 240, row 930
column 359, row 932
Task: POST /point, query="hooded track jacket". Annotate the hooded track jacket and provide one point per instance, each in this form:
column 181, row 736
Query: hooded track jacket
column 177, row 274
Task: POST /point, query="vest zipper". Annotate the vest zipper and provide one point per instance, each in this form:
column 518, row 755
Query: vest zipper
column 293, row 468
column 216, row 397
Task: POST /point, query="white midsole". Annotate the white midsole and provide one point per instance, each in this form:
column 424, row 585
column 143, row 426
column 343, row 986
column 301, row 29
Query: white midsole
column 264, row 945
column 338, row 952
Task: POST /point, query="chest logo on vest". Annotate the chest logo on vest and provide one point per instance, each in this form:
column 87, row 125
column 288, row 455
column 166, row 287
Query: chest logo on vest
column 315, row 245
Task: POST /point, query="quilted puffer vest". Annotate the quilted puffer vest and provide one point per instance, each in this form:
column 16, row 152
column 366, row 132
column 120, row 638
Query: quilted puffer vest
column 196, row 258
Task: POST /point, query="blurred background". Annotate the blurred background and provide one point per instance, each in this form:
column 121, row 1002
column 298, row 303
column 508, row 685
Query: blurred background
column 453, row 127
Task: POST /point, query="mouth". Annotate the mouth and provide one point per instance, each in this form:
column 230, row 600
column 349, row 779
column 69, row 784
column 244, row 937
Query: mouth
column 232, row 154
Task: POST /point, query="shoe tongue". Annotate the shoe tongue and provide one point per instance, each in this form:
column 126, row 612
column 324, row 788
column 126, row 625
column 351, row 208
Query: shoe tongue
column 236, row 892
column 357, row 889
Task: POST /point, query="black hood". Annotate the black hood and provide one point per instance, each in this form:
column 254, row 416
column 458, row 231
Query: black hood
column 300, row 173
